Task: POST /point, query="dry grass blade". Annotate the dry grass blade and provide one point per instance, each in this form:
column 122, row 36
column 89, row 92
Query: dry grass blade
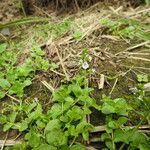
column 53, row 47
column 48, row 86
column 102, row 80
column 4, row 142
column 139, row 58
column 9, row 142
column 103, row 128
column 138, row 45
column 113, row 86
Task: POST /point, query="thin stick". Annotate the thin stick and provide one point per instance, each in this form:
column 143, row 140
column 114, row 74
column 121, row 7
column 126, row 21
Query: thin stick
column 2, row 147
column 9, row 143
column 48, row 86
column 103, row 128
column 113, row 86
column 58, row 73
column 91, row 148
column 134, row 47
column 139, row 12
column 77, row 6
column 98, row 129
column 136, row 53
column 144, row 68
column 102, row 80
column 139, row 58
column 138, row 45
column 13, row 98
column 62, row 64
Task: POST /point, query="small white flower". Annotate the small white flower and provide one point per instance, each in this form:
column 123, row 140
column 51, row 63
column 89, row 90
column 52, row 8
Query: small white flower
column 85, row 65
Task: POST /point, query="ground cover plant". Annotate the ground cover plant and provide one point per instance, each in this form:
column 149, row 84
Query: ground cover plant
column 76, row 82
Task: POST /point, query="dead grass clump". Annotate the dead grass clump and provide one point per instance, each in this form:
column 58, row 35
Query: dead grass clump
column 72, row 5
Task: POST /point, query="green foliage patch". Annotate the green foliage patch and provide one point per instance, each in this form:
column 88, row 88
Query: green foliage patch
column 126, row 28
column 64, row 125
column 15, row 77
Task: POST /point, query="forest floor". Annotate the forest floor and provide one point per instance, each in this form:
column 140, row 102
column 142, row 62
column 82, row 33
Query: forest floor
column 109, row 44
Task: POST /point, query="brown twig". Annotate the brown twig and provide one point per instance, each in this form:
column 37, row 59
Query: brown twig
column 61, row 62
column 101, row 83
column 48, row 86
column 4, row 141
column 113, row 86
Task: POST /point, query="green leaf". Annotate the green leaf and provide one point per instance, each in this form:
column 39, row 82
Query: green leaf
column 29, row 107
column 72, row 130
column 108, row 108
column 27, row 82
column 75, row 113
column 68, row 104
column 122, row 120
column 45, row 147
column 112, row 124
column 40, row 123
column 56, row 138
column 61, row 94
column 139, row 138
column 105, row 136
column 3, row 119
column 12, row 117
column 17, row 88
column 86, row 100
column 53, row 66
column 53, row 124
column 21, row 126
column 78, row 147
column 109, row 145
column 22, row 146
column 5, row 84
column 123, row 135
column 38, row 51
column 55, row 111
column 84, row 128
column 2, row 94
column 35, row 114
column 121, row 106
column 3, row 47
column 76, row 89
column 33, row 138
column 144, row 146
column 142, row 78
column 45, row 65
column 25, row 69
column 77, row 35
column 7, row 126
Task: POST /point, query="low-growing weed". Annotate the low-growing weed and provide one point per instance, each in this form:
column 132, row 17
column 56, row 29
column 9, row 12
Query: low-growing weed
column 62, row 126
column 117, row 116
column 51, row 30
column 15, row 77
column 126, row 28
column 117, row 112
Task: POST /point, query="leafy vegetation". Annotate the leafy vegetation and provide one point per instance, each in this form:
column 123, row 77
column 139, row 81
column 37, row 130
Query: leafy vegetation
column 63, row 123
column 117, row 112
column 14, row 78
column 126, row 28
